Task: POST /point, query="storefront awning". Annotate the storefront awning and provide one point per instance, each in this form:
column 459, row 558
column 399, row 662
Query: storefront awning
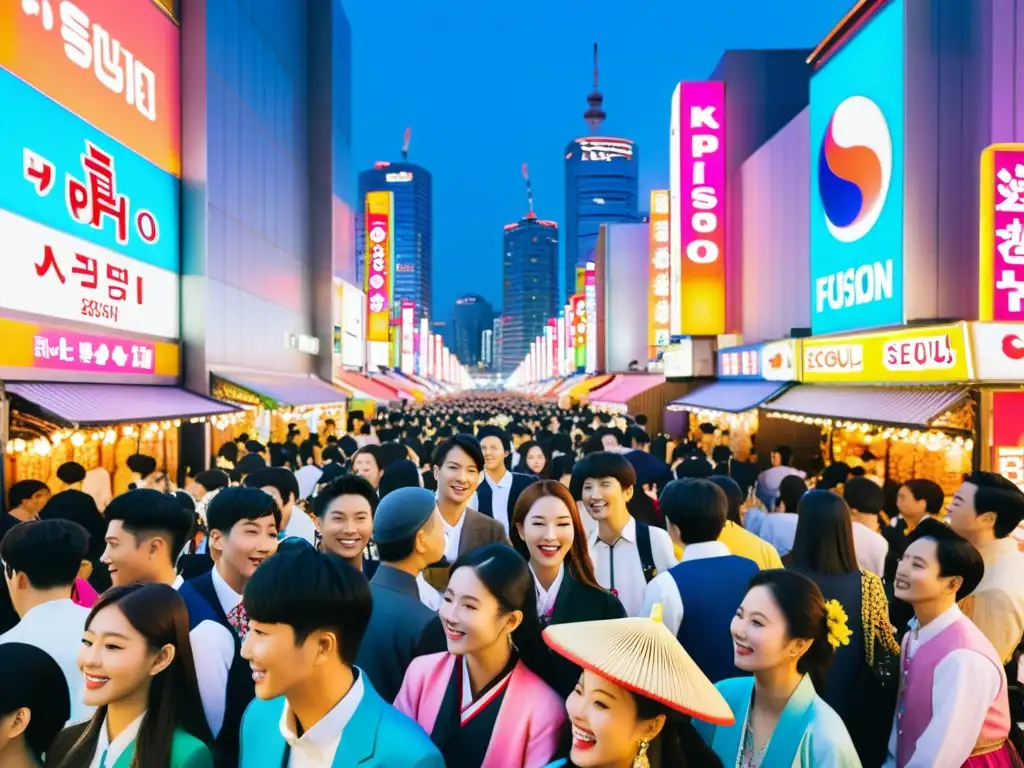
column 896, row 406
column 402, row 389
column 286, row 390
column 589, row 385
column 568, row 383
column 728, row 396
column 366, row 388
column 625, row 388
column 94, row 405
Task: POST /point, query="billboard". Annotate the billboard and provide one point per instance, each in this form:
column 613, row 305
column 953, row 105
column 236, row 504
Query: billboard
column 697, row 207
column 591, row 330
column 378, row 268
column 65, row 174
column 115, row 65
column 1001, row 236
column 660, row 274
column 740, row 362
column 1008, row 436
column 351, row 305
column 408, row 341
column 578, row 302
column 857, row 157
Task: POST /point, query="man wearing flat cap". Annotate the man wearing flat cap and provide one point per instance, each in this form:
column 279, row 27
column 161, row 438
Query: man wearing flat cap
column 409, row 534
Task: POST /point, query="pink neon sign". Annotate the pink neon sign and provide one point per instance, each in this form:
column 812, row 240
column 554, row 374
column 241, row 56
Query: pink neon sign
column 70, row 351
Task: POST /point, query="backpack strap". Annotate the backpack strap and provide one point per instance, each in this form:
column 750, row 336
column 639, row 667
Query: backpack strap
column 643, row 544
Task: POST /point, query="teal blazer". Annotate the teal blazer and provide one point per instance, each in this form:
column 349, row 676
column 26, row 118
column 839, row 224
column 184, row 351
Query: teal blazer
column 377, row 736
column 186, row 750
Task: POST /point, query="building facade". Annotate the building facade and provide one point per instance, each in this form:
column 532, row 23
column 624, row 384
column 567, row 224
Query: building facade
column 267, row 200
column 600, row 188
column 472, row 317
column 412, row 188
column 530, row 286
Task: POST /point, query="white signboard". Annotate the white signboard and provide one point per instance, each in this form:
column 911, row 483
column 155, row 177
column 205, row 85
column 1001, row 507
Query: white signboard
column 46, row 272
column 998, row 351
column 778, row 360
column 678, row 359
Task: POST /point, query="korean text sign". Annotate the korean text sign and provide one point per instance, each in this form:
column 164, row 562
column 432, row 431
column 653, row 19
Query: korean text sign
column 114, row 64
column 1008, row 436
column 925, row 355
column 49, row 272
column 697, row 179
column 658, row 301
column 378, row 267
column 579, row 328
column 68, row 351
column 857, row 158
column 68, row 176
column 1001, row 263
column 740, row 362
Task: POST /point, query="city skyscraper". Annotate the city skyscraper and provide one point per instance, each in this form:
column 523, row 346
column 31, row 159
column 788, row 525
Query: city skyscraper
column 412, row 187
column 600, row 186
column 472, row 316
column 530, row 292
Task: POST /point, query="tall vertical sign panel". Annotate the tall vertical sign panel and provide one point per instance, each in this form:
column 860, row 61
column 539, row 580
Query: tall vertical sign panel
column 579, row 329
column 90, row 155
column 697, row 201
column 591, row 331
column 660, row 274
column 408, row 336
column 423, row 348
column 1001, row 259
column 857, row 159
column 379, row 265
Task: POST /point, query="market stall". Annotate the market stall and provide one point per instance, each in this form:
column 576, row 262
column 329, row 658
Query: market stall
column 636, row 393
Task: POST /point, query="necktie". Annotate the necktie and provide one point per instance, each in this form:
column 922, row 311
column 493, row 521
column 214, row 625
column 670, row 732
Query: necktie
column 239, row 621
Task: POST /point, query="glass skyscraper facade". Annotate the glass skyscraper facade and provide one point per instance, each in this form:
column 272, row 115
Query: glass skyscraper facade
column 471, row 316
column 600, row 188
column 412, row 188
column 530, row 286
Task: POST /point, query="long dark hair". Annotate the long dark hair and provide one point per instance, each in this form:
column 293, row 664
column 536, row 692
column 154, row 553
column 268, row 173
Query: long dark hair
column 578, row 559
column 824, row 535
column 803, row 606
column 158, row 613
column 507, row 576
column 524, row 450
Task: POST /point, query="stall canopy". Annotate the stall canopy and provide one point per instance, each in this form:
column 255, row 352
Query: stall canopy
column 366, row 388
column 567, row 384
column 94, row 405
column 728, row 396
column 625, row 387
column 277, row 389
column 895, row 406
column 583, row 388
column 402, row 389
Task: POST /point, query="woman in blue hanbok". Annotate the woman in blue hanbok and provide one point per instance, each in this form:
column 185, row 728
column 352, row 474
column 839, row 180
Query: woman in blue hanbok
column 784, row 633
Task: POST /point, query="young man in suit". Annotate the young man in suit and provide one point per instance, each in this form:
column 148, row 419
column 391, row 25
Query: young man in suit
column 409, row 533
column 497, row 495
column 243, row 524
column 309, row 612
column 458, row 462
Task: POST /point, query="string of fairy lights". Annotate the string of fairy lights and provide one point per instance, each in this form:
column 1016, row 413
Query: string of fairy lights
column 931, row 440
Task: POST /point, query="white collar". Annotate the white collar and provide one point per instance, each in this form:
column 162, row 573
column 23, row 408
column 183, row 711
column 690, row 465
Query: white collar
column 939, row 623
column 327, row 731
column 118, row 746
column 45, row 610
column 705, row 550
column 505, row 482
column 226, row 595
column 546, row 597
column 628, row 533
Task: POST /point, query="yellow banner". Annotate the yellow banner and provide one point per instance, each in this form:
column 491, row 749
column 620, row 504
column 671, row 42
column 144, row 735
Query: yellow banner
column 378, row 277
column 934, row 354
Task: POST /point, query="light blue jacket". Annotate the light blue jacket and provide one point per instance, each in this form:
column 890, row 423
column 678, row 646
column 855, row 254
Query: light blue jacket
column 377, row 736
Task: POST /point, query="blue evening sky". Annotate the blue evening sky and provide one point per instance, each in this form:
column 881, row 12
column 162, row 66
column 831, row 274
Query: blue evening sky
column 487, row 86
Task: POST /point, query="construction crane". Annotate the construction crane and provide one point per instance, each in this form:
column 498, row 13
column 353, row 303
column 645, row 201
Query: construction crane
column 405, row 144
column 529, row 192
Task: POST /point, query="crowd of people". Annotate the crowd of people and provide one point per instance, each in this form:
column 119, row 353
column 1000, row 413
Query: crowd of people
column 496, row 582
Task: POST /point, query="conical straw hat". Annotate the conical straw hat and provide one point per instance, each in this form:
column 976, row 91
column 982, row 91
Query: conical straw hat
column 642, row 656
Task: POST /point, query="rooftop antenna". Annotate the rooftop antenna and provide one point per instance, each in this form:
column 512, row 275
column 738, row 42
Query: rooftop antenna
column 529, row 192
column 405, row 143
column 595, row 115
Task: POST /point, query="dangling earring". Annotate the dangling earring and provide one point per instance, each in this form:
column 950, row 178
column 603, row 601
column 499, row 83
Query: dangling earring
column 641, row 761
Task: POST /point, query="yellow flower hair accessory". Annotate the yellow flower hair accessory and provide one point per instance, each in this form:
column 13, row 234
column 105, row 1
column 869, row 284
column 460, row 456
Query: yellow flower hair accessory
column 839, row 632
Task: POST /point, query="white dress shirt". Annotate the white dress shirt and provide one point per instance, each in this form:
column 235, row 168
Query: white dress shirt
column 871, row 549
column 453, row 535
column 963, row 688
column 56, row 627
column 499, row 498
column 317, row 746
column 429, row 596
column 628, row 572
column 546, row 597
column 664, row 590
column 779, row 530
column 997, row 605
column 299, row 527
column 107, row 751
